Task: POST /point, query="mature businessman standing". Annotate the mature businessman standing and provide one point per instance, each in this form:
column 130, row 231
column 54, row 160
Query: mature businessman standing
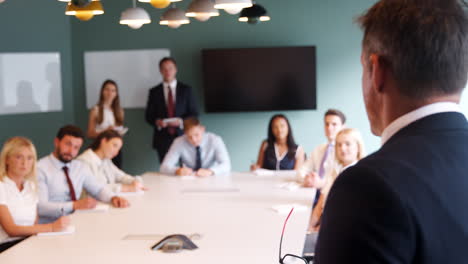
column 168, row 104
column 407, row 202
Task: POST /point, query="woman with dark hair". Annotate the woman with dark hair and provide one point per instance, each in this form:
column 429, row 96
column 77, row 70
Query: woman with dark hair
column 98, row 157
column 279, row 151
column 107, row 114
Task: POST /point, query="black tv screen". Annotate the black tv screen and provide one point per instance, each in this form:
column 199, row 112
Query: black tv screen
column 259, row 79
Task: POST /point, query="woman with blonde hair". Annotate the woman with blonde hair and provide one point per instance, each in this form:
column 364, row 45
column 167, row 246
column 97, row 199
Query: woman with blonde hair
column 18, row 194
column 107, row 114
column 349, row 149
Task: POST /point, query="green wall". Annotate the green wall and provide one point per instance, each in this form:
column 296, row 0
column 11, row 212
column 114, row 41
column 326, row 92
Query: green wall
column 37, row 26
column 325, row 24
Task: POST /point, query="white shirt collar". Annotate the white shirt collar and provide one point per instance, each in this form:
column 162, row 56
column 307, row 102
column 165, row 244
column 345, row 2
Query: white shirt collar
column 415, row 115
column 172, row 84
column 57, row 163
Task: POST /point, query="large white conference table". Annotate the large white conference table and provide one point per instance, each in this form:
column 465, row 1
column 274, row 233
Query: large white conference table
column 233, row 214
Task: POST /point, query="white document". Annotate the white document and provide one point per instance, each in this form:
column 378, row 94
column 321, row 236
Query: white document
column 126, row 194
column 67, row 231
column 121, row 130
column 100, row 207
column 263, row 172
column 290, row 186
column 286, row 208
column 172, row 119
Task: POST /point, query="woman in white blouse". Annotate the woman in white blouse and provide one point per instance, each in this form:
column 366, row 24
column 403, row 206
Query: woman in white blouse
column 349, row 149
column 107, row 114
column 98, row 157
column 18, row 194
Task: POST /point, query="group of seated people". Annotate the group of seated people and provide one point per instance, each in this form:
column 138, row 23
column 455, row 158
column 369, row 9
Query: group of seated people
column 343, row 149
column 36, row 197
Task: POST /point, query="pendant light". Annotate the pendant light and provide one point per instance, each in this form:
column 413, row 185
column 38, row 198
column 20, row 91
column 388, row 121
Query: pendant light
column 85, row 13
column 232, row 6
column 202, row 10
column 174, row 18
column 159, row 3
column 254, row 14
column 135, row 17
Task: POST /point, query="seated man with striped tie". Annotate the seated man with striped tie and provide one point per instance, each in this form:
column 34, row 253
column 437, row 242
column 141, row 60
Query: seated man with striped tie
column 196, row 152
column 61, row 179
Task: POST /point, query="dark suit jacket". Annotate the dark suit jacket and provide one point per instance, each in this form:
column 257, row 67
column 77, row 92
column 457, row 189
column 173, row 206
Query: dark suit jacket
column 406, row 203
column 156, row 109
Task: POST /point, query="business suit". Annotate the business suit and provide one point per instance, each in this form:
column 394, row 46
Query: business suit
column 406, row 203
column 156, row 108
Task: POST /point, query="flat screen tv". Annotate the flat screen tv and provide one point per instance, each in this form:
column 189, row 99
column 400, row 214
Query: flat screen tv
column 259, row 79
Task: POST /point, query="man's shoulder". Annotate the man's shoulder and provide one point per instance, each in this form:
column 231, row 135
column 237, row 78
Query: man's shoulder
column 182, row 85
column 156, row 88
column 43, row 162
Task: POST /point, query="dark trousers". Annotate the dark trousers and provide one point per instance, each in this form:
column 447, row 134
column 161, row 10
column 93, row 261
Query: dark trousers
column 7, row 245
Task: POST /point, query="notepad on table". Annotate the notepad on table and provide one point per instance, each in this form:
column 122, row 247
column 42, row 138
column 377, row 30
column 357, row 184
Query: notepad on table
column 100, row 207
column 67, row 231
column 286, row 208
column 126, row 194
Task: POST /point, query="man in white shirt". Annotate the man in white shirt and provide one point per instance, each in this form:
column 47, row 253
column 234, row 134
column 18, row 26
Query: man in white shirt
column 61, row 179
column 197, row 153
column 321, row 161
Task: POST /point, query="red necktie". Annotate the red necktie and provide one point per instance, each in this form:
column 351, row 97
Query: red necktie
column 70, row 184
column 170, row 109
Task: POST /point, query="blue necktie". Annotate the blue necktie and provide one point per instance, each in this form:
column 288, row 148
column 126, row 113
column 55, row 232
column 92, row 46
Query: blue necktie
column 198, row 158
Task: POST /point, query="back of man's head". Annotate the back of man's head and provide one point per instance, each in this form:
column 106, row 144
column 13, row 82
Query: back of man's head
column 423, row 42
column 70, row 130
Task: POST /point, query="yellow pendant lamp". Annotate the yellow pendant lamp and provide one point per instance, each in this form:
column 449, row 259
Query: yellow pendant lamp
column 159, row 3
column 86, row 12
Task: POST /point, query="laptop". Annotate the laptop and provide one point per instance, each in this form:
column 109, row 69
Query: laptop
column 309, row 246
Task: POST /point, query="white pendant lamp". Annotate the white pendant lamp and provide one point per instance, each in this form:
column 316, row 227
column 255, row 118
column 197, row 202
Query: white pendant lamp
column 86, row 12
column 232, row 6
column 135, row 17
column 202, row 10
column 159, row 3
column 174, row 18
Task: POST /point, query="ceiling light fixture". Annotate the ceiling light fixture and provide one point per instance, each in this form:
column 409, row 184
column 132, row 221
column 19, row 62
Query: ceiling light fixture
column 254, row 14
column 85, row 13
column 232, row 6
column 135, row 17
column 202, row 10
column 159, row 3
column 174, row 18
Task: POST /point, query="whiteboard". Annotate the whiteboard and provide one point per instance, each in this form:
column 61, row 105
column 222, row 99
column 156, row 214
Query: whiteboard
column 30, row 83
column 135, row 72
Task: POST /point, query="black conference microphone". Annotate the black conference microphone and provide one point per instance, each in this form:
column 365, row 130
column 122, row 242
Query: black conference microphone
column 288, row 256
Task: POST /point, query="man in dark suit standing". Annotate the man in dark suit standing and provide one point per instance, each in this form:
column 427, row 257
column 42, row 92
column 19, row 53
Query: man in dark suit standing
column 168, row 104
column 407, row 202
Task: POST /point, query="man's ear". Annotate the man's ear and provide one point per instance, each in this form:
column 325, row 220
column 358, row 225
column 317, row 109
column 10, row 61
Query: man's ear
column 56, row 142
column 379, row 70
